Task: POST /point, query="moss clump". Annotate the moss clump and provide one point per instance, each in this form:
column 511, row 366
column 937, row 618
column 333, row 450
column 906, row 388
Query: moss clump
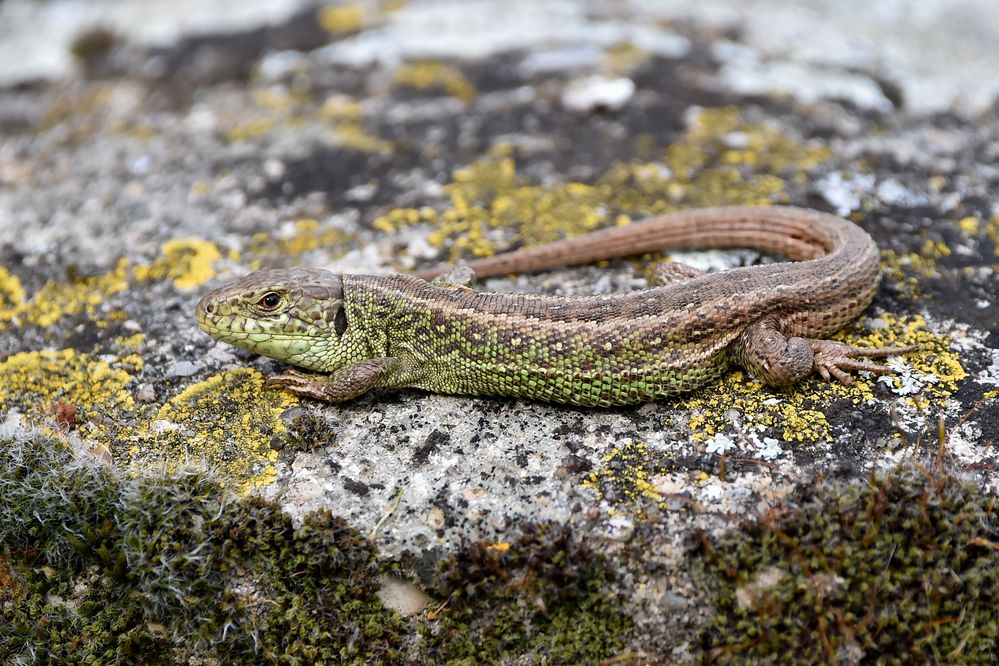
column 109, row 569
column 901, row 569
column 542, row 598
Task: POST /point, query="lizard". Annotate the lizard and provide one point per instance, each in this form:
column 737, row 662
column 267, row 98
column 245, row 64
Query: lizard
column 359, row 332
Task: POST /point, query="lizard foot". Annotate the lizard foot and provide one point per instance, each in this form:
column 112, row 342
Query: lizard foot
column 345, row 384
column 302, row 384
column 832, row 359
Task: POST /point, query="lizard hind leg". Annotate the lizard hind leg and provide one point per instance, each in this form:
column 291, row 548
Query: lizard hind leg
column 769, row 355
column 671, row 272
column 781, row 361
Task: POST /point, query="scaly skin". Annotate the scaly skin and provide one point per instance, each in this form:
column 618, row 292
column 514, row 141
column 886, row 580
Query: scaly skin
column 401, row 331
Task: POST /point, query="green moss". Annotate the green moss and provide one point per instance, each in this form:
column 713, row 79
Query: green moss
column 311, row 430
column 110, row 569
column 541, row 598
column 901, row 569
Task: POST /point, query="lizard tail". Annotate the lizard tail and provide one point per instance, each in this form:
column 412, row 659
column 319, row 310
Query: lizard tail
column 795, row 233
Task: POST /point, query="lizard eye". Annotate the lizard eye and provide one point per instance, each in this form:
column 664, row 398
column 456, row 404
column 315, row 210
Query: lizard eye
column 269, row 301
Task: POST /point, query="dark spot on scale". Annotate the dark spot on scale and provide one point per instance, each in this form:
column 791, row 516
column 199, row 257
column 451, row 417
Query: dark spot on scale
column 340, row 322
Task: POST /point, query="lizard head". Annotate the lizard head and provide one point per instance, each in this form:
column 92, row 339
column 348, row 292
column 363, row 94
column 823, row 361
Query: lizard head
column 294, row 315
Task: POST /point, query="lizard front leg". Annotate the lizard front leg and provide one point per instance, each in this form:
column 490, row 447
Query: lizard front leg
column 780, row 361
column 344, row 384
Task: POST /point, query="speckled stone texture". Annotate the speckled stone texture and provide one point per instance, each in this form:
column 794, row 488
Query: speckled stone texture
column 376, row 137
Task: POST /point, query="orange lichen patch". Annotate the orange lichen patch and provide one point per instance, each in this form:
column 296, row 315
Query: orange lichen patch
column 57, row 299
column 304, row 235
column 10, row 588
column 32, row 382
column 189, row 262
column 428, row 74
column 226, row 423
column 721, row 160
column 340, row 19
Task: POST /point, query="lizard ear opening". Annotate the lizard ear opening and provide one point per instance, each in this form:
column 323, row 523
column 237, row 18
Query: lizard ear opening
column 340, row 321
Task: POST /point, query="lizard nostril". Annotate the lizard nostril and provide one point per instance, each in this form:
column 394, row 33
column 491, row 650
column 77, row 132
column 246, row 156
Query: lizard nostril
column 210, row 308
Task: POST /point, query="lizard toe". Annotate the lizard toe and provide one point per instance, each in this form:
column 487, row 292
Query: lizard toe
column 836, row 358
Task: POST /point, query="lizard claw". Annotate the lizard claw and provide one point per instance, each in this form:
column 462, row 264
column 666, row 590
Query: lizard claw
column 831, row 359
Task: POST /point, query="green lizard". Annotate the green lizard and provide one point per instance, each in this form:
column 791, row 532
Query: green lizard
column 402, row 331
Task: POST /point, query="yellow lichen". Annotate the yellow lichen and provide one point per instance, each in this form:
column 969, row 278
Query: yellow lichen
column 428, row 74
column 250, row 129
column 935, row 248
column 354, row 135
column 189, row 262
column 398, row 218
column 936, row 369
column 11, row 295
column 798, row 412
column 130, row 342
column 702, row 169
column 904, row 269
column 791, row 412
column 624, row 57
column 226, row 423
column 627, row 468
column 308, row 234
column 32, row 382
column 200, row 188
column 969, row 225
column 274, row 99
column 341, row 107
column 340, row 19
column 57, row 299
column 992, row 231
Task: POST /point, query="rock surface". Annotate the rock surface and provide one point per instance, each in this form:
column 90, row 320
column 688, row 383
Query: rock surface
column 378, row 137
